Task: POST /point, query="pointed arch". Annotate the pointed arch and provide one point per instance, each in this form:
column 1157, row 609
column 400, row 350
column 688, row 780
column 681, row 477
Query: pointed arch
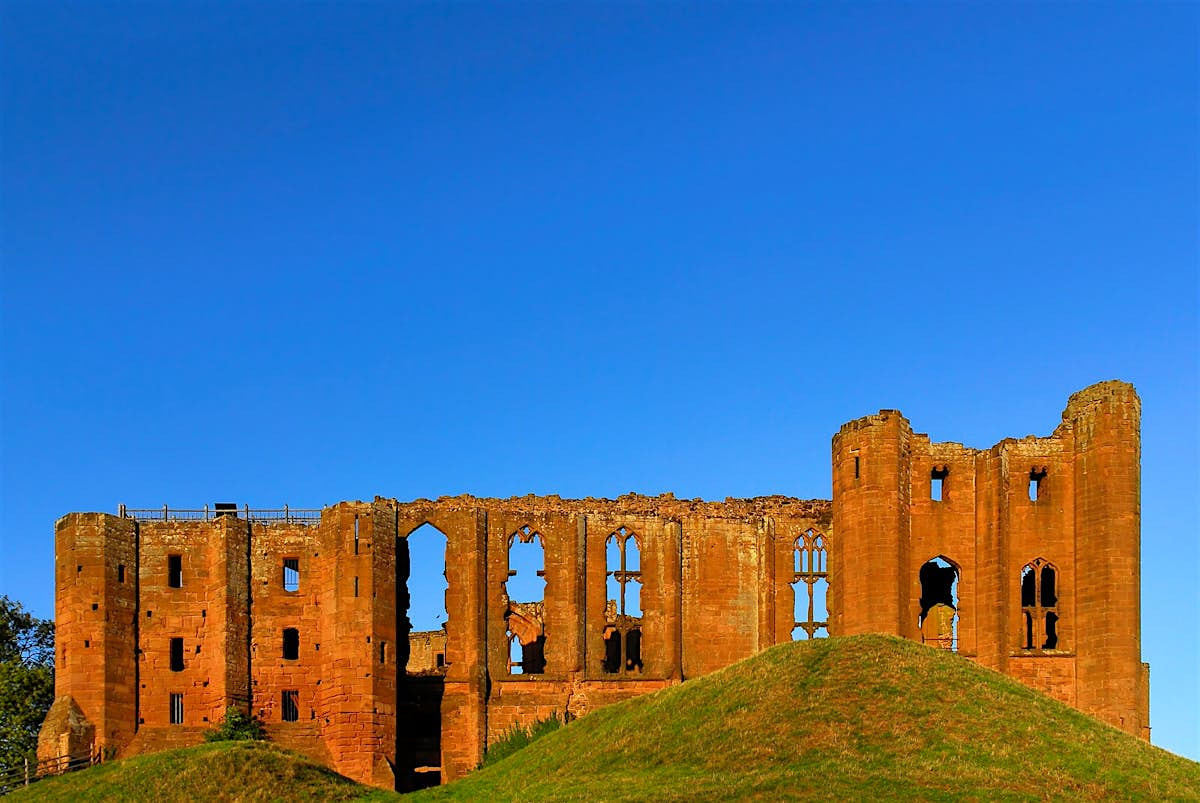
column 1040, row 581
column 810, row 585
column 623, row 608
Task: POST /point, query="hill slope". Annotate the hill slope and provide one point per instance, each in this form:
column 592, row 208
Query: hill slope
column 870, row 717
column 242, row 771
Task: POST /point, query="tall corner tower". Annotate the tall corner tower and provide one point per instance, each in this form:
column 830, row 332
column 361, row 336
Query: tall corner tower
column 871, row 488
column 1105, row 420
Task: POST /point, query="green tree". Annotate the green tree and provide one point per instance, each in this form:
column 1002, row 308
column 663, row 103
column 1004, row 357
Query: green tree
column 26, row 681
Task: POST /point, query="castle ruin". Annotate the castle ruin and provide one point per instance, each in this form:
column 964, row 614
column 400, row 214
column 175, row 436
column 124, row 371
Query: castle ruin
column 1023, row 557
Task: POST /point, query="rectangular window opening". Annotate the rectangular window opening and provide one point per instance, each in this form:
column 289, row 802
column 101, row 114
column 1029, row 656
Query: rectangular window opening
column 857, row 468
column 1035, row 483
column 176, row 709
column 121, row 573
column 356, row 585
column 291, row 644
column 291, row 705
column 291, row 574
column 177, row 655
column 383, row 652
column 356, row 534
column 937, row 479
column 175, row 571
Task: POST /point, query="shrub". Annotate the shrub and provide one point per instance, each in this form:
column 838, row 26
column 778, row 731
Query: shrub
column 236, row 726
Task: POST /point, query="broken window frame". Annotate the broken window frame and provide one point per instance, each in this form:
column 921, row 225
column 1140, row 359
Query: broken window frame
column 530, row 664
column 618, row 623
column 949, row 643
column 810, row 562
column 1040, row 618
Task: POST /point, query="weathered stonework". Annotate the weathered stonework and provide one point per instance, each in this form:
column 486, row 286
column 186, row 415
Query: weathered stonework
column 330, row 666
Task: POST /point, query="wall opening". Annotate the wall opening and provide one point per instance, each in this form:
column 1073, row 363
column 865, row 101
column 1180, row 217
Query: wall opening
column 857, row 467
column 938, row 620
column 176, row 716
column 291, row 644
column 525, row 588
column 1039, row 605
column 175, row 571
column 623, row 603
column 1036, row 477
column 121, row 573
column 177, row 655
column 291, row 574
column 810, row 586
column 291, row 705
column 421, row 588
column 937, row 478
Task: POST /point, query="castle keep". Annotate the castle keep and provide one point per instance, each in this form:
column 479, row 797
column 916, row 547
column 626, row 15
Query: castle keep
column 1023, row 557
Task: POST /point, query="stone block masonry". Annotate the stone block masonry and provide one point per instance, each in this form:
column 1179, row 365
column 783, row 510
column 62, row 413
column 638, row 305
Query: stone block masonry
column 1023, row 557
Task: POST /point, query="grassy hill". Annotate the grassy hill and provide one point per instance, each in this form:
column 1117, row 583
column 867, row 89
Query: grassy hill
column 868, row 717
column 227, row 771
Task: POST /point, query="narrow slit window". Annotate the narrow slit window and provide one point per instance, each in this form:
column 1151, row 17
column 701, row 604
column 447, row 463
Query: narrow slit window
column 121, row 573
column 937, row 480
column 291, row 705
column 177, row 655
column 355, row 534
column 291, row 644
column 382, row 652
column 857, row 468
column 175, row 571
column 356, row 585
column 291, row 574
column 176, row 709
column 1036, row 477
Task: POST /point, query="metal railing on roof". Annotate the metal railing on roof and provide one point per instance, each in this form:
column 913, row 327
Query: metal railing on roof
column 283, row 515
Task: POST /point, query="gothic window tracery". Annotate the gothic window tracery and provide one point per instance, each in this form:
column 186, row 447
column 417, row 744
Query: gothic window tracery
column 623, row 606
column 1039, row 605
column 810, row 585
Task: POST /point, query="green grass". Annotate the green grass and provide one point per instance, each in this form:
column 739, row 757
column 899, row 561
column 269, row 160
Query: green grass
column 225, row 771
column 862, row 718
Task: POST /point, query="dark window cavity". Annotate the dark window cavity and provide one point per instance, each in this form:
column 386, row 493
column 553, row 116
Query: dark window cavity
column 291, row 574
column 291, row 706
column 175, row 571
column 810, row 586
column 1039, row 605
column 121, row 573
column 857, row 468
column 177, row 655
column 291, row 643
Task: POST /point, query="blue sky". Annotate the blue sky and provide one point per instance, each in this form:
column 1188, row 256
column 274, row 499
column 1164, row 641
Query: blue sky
column 298, row 253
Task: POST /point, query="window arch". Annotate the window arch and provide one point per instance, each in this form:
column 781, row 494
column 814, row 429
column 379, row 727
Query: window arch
column 1039, row 605
column 525, row 590
column 938, row 619
column 810, row 585
column 623, row 602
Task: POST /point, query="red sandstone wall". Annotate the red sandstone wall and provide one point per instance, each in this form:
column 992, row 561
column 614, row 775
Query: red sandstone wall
column 716, row 588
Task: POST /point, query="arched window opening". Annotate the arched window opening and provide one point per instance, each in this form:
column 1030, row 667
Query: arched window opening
column 938, row 620
column 623, row 605
column 422, row 556
column 1039, row 604
column 525, row 587
column 810, row 586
